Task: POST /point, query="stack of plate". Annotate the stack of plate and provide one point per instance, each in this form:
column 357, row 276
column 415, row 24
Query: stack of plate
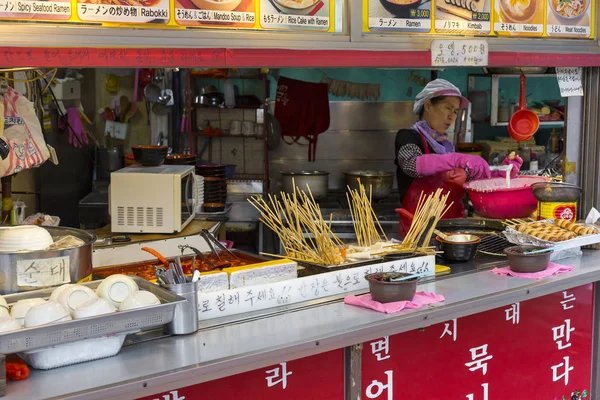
column 215, row 184
column 199, row 187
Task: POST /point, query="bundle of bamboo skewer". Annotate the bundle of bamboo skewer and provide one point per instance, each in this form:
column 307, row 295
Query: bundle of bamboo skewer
column 430, row 209
column 366, row 225
column 297, row 220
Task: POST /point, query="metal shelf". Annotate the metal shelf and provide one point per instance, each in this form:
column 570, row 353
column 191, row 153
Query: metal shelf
column 542, row 123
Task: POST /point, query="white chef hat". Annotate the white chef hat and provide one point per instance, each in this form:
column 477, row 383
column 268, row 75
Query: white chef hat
column 436, row 88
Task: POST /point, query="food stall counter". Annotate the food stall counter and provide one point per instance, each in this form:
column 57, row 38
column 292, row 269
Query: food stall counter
column 172, row 363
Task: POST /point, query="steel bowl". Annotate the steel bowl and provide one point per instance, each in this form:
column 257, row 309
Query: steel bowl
column 32, row 270
column 556, row 191
column 317, row 181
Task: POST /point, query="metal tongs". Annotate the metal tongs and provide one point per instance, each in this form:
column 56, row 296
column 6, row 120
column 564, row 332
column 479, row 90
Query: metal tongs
column 210, row 239
column 198, row 253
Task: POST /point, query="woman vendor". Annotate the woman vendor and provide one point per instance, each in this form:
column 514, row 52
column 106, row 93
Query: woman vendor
column 425, row 157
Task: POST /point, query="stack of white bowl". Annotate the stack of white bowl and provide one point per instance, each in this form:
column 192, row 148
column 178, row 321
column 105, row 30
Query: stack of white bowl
column 24, row 237
column 199, row 187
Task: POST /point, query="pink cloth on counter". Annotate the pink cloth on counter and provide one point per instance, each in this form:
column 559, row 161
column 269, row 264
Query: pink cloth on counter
column 553, row 269
column 420, row 299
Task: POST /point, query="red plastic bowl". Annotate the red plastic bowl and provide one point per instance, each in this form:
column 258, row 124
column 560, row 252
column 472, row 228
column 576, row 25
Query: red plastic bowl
column 492, row 199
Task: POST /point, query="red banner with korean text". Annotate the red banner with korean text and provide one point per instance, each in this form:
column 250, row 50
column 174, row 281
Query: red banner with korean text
column 316, row 377
column 538, row 349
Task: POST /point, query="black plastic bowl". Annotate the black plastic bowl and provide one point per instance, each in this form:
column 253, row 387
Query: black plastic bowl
column 389, row 292
column 458, row 251
column 518, row 261
column 150, row 156
column 400, row 10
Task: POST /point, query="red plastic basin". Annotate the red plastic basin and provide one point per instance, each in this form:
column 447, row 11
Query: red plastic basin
column 492, row 199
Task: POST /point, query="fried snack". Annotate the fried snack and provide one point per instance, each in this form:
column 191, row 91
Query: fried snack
column 579, row 229
column 546, row 231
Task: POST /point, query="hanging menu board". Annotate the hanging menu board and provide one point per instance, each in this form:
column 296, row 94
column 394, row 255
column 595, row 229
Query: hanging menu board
column 569, row 18
column 130, row 11
column 35, row 10
column 463, row 17
column 223, row 14
column 523, row 18
column 312, row 15
column 407, row 16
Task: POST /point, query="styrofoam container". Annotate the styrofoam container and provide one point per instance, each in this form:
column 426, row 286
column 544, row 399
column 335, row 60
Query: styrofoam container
column 74, row 353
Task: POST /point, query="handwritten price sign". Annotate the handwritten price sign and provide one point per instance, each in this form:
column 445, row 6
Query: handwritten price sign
column 459, row 53
column 111, row 57
column 570, row 81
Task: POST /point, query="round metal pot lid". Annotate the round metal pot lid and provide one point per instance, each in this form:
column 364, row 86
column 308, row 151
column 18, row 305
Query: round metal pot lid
column 370, row 173
column 305, row 173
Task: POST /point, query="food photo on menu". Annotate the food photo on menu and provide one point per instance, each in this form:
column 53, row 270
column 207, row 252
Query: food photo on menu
column 131, row 11
column 225, row 13
column 461, row 16
column 400, row 15
column 520, row 17
column 569, row 18
column 298, row 14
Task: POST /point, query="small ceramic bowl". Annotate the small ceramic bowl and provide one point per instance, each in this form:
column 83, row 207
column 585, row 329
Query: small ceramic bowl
column 384, row 291
column 92, row 308
column 58, row 291
column 116, row 288
column 21, row 307
column 459, row 248
column 24, row 237
column 520, row 261
column 9, row 324
column 46, row 313
column 139, row 299
column 73, row 296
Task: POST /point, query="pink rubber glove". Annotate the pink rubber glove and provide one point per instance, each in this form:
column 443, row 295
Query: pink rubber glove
column 516, row 163
column 76, row 128
column 431, row 164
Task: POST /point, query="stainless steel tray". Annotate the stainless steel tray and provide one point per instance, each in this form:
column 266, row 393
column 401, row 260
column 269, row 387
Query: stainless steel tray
column 71, row 331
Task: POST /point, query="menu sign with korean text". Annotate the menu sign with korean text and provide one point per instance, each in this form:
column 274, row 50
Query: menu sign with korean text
column 121, row 11
column 570, row 18
column 56, row 10
column 463, row 17
column 403, row 16
column 459, row 53
column 536, row 349
column 220, row 14
column 570, row 81
column 287, row 380
column 519, row 17
column 260, row 297
column 312, row 15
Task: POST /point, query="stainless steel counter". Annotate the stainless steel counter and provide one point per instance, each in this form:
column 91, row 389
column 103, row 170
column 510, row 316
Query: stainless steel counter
column 175, row 362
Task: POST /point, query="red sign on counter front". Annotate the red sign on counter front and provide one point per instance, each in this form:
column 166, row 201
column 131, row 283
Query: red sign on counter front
column 537, row 349
column 317, row 377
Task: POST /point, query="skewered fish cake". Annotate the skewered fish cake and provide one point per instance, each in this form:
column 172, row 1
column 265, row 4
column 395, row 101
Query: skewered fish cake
column 546, row 231
column 573, row 227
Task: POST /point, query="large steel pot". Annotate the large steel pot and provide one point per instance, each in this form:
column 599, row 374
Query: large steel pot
column 31, row 270
column 317, row 181
column 380, row 182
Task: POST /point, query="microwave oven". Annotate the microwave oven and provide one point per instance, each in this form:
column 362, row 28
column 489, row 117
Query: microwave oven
column 152, row 199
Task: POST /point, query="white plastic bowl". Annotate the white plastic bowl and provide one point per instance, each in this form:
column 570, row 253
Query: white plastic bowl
column 139, row 299
column 9, row 324
column 24, row 238
column 3, row 302
column 92, row 308
column 4, row 311
column 73, row 296
column 116, row 288
column 46, row 313
column 58, row 291
column 21, row 307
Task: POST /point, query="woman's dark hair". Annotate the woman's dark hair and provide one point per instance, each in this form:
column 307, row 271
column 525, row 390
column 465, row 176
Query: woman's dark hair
column 434, row 101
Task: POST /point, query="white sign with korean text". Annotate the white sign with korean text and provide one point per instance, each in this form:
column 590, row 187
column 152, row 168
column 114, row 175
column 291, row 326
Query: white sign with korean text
column 457, row 52
column 570, row 81
column 43, row 272
column 260, row 297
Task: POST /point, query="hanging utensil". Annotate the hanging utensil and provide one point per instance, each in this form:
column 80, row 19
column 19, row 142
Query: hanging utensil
column 199, row 254
column 524, row 123
column 209, row 241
